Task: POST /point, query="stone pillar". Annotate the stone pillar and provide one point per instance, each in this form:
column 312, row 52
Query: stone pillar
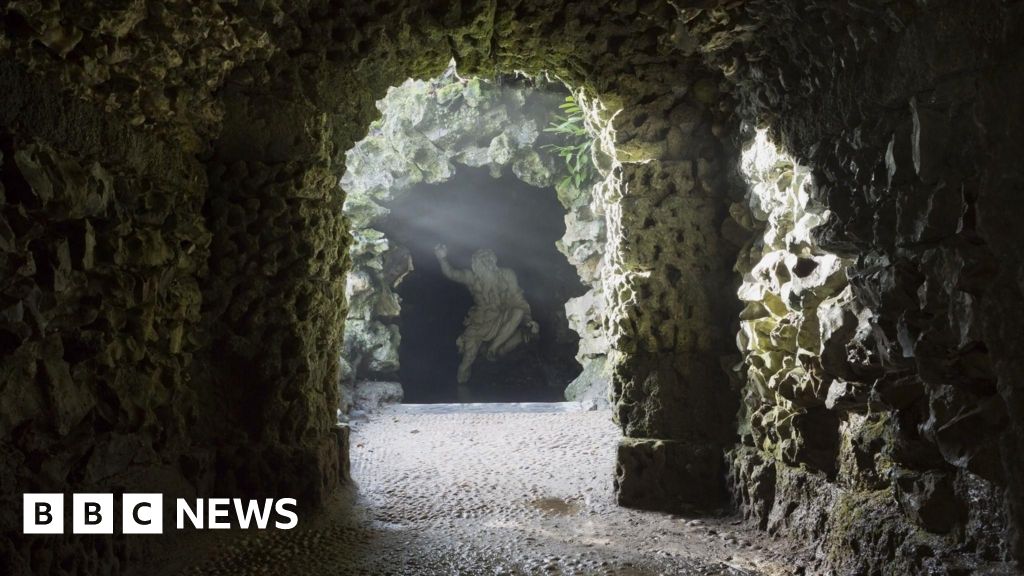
column 669, row 282
column 274, row 300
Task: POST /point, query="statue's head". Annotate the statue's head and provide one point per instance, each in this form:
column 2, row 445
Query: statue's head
column 484, row 261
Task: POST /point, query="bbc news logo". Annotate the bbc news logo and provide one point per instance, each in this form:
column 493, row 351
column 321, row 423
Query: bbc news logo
column 43, row 513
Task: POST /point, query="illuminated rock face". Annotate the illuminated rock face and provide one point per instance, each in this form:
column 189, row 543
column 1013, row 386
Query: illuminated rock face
column 173, row 252
column 427, row 132
column 799, row 319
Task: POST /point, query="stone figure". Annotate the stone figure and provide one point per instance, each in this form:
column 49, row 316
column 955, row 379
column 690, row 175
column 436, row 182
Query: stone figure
column 500, row 316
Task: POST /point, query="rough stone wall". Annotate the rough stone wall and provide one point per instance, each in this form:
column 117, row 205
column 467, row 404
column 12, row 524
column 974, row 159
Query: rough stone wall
column 900, row 111
column 102, row 250
column 427, row 130
column 800, row 324
column 105, row 353
column 907, row 113
column 274, row 302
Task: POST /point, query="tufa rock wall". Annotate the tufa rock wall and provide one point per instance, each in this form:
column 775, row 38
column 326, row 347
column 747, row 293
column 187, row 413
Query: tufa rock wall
column 103, row 248
column 199, row 146
column 426, row 130
column 896, row 459
column 670, row 258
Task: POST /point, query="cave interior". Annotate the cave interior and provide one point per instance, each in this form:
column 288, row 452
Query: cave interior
column 799, row 263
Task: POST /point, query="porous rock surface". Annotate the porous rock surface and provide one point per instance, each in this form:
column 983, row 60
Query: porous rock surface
column 371, row 396
column 173, row 251
column 427, row 130
column 879, row 403
column 815, row 411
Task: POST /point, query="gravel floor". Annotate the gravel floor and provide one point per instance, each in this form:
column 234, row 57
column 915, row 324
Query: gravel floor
column 493, row 493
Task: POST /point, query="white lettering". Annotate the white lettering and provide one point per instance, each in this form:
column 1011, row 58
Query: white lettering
column 219, row 509
column 195, row 517
column 281, row 509
column 253, row 510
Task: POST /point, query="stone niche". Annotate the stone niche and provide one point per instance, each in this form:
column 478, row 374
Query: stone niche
column 429, row 130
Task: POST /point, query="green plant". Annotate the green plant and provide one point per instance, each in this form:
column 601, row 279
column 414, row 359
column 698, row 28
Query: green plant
column 577, row 144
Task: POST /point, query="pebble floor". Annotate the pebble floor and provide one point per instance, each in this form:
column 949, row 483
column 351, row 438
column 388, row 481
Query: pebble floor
column 499, row 493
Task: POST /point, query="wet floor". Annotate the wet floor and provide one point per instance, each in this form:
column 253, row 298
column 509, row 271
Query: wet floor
column 494, row 491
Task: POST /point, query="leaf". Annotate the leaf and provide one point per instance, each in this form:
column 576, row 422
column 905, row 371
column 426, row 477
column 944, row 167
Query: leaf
column 576, row 152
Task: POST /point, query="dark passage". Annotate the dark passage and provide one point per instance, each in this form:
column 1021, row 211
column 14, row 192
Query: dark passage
column 521, row 225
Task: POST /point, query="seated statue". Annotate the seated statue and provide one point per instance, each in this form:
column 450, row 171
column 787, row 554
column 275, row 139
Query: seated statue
column 500, row 316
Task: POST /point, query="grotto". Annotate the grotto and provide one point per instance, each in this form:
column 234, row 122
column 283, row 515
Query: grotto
column 433, row 310
column 471, row 164
column 790, row 331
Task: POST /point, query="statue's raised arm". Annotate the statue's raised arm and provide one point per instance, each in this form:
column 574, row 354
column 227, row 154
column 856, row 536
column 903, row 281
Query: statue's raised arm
column 451, row 273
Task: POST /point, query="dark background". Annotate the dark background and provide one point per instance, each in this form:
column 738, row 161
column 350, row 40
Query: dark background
column 520, row 224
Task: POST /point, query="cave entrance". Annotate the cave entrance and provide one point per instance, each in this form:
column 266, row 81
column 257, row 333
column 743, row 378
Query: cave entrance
column 520, row 224
column 500, row 173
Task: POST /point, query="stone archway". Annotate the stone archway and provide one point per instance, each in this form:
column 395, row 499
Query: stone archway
column 665, row 196
column 174, row 245
column 429, row 130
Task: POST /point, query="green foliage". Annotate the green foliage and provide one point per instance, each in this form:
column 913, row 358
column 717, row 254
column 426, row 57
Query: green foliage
column 576, row 146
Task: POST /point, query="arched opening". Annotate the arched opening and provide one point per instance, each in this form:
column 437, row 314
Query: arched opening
column 174, row 255
column 266, row 283
column 643, row 238
column 467, row 166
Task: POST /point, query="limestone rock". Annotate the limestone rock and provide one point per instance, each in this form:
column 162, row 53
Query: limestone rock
column 371, row 396
column 427, row 130
column 642, row 469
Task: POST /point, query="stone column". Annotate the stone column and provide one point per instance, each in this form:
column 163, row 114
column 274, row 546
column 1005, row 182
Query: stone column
column 669, row 286
column 274, row 300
